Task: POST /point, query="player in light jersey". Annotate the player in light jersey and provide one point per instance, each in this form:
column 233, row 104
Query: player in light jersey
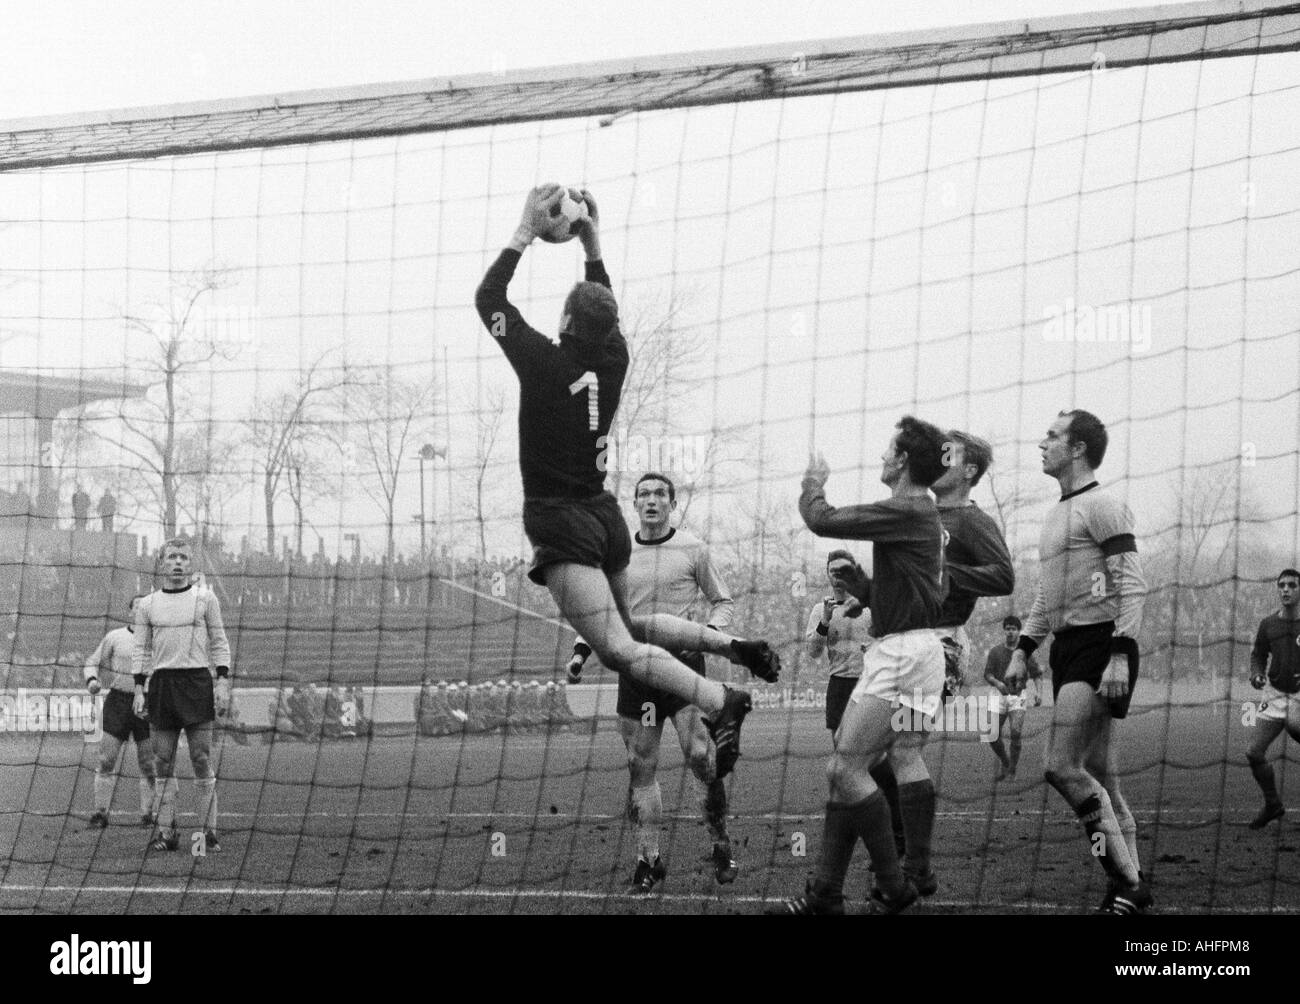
column 1089, row 597
column 840, row 626
column 568, row 394
column 110, row 665
column 1275, row 669
column 178, row 636
column 670, row 570
column 1009, row 701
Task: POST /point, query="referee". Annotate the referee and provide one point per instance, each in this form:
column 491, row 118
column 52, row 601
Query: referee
column 178, row 635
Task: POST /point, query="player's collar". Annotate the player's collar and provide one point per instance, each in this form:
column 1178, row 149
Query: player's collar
column 173, row 592
column 1079, row 491
column 655, row 543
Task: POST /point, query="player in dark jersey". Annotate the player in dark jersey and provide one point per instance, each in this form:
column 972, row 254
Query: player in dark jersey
column 904, row 665
column 1275, row 669
column 1089, row 597
column 1009, row 701
column 568, row 394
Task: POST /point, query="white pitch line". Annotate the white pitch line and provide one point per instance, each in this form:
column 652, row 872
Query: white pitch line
column 536, row 894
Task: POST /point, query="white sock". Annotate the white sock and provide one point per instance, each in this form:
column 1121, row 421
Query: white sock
column 103, row 790
column 207, row 789
column 146, row 795
column 165, row 798
column 648, row 810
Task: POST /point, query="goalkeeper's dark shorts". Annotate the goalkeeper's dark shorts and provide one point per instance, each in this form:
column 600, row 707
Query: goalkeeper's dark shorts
column 589, row 531
column 838, row 689
column 637, row 701
column 120, row 720
column 179, row 698
column 1081, row 655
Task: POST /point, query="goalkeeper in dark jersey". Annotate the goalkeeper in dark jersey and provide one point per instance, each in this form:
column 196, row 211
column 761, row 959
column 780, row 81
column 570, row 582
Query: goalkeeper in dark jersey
column 568, row 394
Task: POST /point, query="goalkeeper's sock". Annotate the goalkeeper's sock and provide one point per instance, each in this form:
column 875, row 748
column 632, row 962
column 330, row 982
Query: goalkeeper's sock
column 165, row 797
column 647, row 813
column 103, row 790
column 146, row 795
column 207, row 792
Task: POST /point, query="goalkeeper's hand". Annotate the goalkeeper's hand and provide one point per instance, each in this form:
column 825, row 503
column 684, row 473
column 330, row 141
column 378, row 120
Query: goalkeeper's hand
column 140, row 705
column 536, row 217
column 1257, row 681
column 221, row 695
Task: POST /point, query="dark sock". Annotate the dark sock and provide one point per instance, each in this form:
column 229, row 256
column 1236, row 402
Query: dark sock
column 1263, row 772
column 999, row 751
column 877, row 834
column 839, row 837
column 1089, row 813
column 715, row 812
column 917, row 801
column 883, row 774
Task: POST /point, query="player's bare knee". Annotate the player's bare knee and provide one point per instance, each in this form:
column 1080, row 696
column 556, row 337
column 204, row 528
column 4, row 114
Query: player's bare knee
column 642, row 768
column 1255, row 757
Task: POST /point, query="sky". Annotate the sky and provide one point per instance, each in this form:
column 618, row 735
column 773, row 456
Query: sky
column 941, row 246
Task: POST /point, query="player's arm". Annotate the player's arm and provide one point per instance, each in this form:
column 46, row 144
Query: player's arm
column 870, row 521
column 1031, row 636
column 581, row 653
column 819, row 619
column 990, row 677
column 991, row 573
column 1259, row 658
column 218, row 652
column 520, row 342
column 722, row 608
column 95, row 663
column 1113, row 526
column 141, row 654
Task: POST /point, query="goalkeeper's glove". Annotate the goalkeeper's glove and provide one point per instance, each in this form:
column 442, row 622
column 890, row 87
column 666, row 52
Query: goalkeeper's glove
column 573, row 670
column 1257, row 681
column 222, row 695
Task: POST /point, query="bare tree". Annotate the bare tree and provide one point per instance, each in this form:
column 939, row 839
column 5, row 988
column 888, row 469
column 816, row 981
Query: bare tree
column 387, row 416
column 488, row 415
column 284, row 433
column 148, row 430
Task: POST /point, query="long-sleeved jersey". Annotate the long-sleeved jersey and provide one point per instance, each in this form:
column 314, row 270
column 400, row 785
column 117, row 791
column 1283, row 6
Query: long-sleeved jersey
column 113, row 661
column 1089, row 570
column 976, row 562
column 179, row 630
column 1276, row 653
column 842, row 641
column 566, row 402
column 907, row 554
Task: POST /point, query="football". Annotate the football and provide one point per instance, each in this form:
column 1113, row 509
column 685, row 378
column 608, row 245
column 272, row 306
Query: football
column 568, row 217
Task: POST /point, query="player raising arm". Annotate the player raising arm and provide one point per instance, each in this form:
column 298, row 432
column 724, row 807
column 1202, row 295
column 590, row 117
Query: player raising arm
column 1275, row 669
column 904, row 665
column 111, row 665
column 568, row 394
column 1089, row 597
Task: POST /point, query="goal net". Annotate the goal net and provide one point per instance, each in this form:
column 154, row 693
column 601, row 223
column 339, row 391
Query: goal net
column 251, row 324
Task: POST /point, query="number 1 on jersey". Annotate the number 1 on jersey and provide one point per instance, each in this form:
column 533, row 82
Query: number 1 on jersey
column 589, row 381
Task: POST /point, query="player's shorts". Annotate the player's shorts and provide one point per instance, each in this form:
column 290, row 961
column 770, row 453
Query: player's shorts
column 906, row 668
column 588, row 531
column 120, row 720
column 1000, row 704
column 179, row 698
column 1274, row 705
column 838, row 690
column 1081, row 655
column 633, row 696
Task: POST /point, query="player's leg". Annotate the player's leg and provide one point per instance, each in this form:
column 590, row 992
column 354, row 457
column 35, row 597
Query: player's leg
column 587, row 599
column 1014, row 724
column 1101, row 765
column 145, row 760
column 199, row 737
column 1267, row 729
column 710, row 790
column 916, row 806
column 105, row 777
column 677, row 634
column 1075, row 720
column 998, row 706
column 856, row 811
column 645, row 805
column 164, row 809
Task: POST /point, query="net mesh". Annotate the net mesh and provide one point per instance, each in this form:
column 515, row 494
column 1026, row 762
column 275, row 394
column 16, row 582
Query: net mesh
column 273, row 351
